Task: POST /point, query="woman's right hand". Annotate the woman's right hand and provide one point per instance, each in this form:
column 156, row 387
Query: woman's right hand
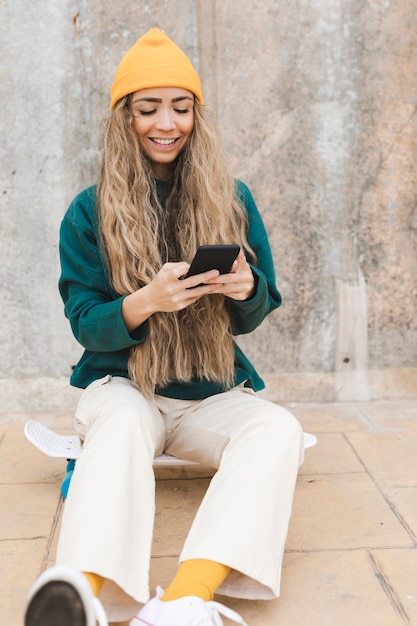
column 167, row 292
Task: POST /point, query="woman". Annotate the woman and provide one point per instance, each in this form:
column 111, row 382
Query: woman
column 161, row 370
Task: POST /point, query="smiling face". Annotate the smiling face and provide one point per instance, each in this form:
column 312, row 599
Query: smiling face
column 163, row 120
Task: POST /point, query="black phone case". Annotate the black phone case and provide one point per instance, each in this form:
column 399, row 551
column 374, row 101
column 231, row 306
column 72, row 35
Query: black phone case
column 213, row 257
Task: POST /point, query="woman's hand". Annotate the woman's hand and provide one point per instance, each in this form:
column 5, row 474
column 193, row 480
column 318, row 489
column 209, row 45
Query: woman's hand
column 166, row 292
column 239, row 284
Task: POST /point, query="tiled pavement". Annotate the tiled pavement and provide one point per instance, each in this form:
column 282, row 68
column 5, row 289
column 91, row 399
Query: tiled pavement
column 351, row 554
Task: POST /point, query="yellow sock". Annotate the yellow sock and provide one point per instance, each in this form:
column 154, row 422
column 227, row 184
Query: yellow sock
column 198, row 577
column 96, row 582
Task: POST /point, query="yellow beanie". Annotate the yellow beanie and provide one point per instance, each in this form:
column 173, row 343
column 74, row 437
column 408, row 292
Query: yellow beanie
column 154, row 61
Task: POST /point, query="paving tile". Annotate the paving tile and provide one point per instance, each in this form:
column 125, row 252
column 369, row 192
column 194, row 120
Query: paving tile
column 54, row 536
column 177, row 502
column 162, row 571
column 331, row 455
column 20, row 565
column 28, row 512
column 324, row 589
column 21, row 462
column 404, row 500
column 183, row 472
column 399, row 568
column 391, row 414
column 58, row 420
column 342, row 511
column 389, row 457
column 321, row 418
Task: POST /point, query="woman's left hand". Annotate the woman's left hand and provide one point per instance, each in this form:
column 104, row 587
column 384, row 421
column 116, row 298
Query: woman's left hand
column 239, row 284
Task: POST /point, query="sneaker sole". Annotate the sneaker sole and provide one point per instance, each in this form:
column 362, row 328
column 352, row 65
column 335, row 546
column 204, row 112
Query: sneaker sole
column 56, row 603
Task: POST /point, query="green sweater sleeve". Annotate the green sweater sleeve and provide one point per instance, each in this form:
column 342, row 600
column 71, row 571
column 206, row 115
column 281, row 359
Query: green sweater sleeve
column 93, row 309
column 248, row 315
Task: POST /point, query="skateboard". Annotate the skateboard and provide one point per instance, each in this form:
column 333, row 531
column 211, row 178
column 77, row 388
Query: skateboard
column 68, row 447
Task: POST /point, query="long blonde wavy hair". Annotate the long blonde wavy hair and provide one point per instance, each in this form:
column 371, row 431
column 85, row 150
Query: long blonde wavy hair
column 139, row 235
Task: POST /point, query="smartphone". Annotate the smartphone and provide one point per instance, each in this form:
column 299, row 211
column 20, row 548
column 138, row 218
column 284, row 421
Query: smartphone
column 214, row 257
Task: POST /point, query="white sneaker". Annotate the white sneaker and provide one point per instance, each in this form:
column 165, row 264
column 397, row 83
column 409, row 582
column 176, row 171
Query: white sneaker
column 188, row 611
column 63, row 596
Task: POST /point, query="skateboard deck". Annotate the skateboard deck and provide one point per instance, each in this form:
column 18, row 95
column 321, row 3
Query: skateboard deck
column 68, row 447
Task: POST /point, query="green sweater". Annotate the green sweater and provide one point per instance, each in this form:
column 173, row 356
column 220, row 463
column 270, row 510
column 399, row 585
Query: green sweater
column 94, row 309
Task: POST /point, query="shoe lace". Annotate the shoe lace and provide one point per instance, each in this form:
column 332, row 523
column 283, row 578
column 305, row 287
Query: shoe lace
column 209, row 615
column 100, row 613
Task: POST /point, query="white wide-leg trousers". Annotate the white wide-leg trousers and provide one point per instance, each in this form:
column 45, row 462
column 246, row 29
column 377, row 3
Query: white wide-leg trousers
column 243, row 519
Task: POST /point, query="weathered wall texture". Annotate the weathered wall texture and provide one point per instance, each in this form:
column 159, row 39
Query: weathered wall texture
column 316, row 102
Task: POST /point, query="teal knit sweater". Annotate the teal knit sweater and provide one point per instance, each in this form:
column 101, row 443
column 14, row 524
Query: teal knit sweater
column 94, row 309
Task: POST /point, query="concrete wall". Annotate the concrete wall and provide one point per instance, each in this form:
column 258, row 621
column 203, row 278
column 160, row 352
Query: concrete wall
column 316, row 103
